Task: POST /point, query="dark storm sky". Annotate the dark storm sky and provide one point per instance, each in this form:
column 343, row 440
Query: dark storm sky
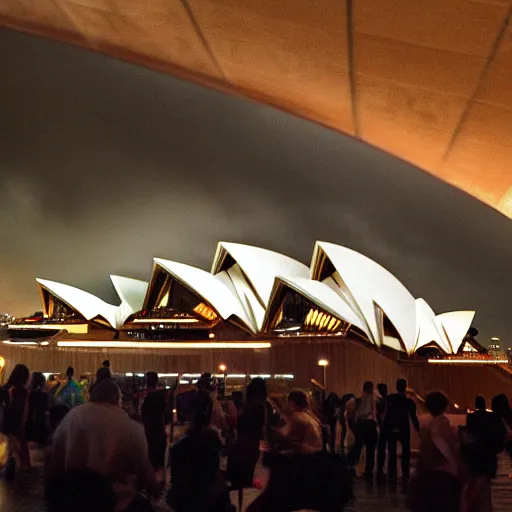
column 104, row 165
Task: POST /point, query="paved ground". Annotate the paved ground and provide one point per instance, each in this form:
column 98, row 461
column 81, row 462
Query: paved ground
column 24, row 495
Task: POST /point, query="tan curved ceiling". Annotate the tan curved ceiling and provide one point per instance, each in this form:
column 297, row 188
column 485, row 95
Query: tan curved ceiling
column 429, row 81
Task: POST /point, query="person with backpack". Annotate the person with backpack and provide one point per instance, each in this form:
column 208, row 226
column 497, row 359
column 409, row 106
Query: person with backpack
column 69, row 393
column 365, row 430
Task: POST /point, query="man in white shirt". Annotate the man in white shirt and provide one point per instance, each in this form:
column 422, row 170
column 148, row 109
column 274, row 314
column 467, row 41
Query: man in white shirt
column 364, row 421
column 99, row 436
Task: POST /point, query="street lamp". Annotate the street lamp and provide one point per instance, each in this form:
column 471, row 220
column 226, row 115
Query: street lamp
column 224, row 369
column 324, row 363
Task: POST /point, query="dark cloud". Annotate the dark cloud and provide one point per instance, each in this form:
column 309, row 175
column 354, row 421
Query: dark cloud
column 105, row 165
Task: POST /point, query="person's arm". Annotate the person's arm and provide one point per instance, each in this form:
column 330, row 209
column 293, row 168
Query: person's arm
column 413, row 415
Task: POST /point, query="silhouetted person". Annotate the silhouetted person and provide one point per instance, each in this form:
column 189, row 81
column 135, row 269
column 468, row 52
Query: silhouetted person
column 14, row 401
column 484, row 439
column 365, row 430
column 153, row 418
column 501, row 406
column 196, row 483
column 331, row 410
column 381, row 412
column 342, row 417
column 103, row 373
column 400, row 411
column 38, row 406
column 437, row 486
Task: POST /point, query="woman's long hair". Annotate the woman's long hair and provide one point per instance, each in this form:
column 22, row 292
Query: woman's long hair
column 19, row 376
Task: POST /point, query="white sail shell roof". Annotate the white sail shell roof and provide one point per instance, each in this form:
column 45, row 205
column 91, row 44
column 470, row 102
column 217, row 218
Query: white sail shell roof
column 371, row 285
column 326, row 298
column 130, row 291
column 85, row 303
column 242, row 281
column 209, row 287
column 427, row 328
column 260, row 266
column 456, row 325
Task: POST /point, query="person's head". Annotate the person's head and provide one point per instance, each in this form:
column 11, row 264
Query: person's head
column 436, row 403
column 106, row 392
column 205, row 382
column 401, row 385
column 103, row 373
column 106, row 364
column 57, row 413
column 70, row 372
column 368, row 388
column 152, row 380
column 202, row 407
column 19, row 376
column 80, row 491
column 298, row 400
column 500, row 404
column 382, row 389
column 480, row 403
column 38, row 380
column 256, row 391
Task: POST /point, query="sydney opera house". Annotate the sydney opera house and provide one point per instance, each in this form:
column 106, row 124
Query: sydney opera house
column 259, row 313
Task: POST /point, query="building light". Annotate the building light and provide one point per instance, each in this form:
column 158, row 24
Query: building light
column 160, row 345
column 468, row 361
column 165, row 320
column 8, row 342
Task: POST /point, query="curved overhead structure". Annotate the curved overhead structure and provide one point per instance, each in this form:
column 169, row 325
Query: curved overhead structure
column 426, row 81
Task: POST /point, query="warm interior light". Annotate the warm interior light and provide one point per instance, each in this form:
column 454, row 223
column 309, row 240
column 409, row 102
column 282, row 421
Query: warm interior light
column 2, row 362
column 8, row 342
column 323, row 362
column 161, row 345
column 222, row 368
column 165, row 320
column 211, row 335
column 468, row 361
column 71, row 328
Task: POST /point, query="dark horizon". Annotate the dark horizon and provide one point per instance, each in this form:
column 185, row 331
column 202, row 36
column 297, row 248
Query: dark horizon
column 105, row 165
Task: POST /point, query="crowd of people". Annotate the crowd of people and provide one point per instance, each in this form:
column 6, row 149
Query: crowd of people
column 99, row 457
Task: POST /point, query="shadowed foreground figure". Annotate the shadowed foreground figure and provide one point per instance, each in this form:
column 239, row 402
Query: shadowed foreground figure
column 197, row 482
column 436, row 487
column 99, row 436
column 303, row 476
